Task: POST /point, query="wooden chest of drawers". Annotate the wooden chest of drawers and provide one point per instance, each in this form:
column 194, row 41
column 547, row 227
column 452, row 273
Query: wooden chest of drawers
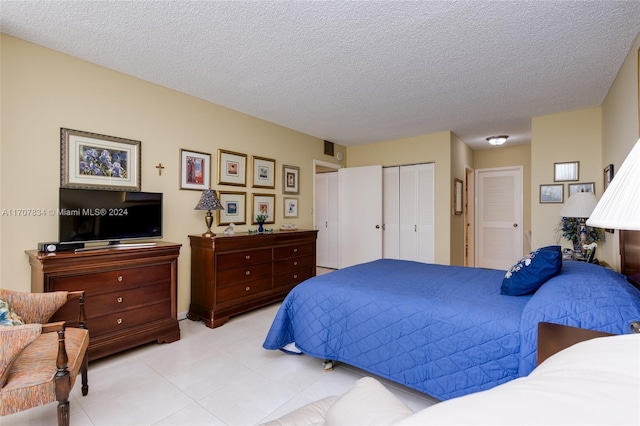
column 237, row 273
column 130, row 294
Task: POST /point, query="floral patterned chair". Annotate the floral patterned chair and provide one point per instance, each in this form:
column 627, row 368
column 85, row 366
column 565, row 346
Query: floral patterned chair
column 39, row 366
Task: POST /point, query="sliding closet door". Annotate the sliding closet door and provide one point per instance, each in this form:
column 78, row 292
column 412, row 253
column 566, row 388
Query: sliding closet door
column 360, row 214
column 409, row 212
column 391, row 213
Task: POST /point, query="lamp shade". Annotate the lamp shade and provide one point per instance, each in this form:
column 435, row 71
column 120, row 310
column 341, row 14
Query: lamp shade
column 619, row 207
column 209, row 201
column 579, row 204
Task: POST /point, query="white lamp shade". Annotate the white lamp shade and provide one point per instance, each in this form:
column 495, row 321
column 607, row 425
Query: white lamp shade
column 579, row 204
column 619, row 207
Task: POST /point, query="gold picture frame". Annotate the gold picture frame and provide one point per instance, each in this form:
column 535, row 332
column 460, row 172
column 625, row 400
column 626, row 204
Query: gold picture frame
column 232, row 168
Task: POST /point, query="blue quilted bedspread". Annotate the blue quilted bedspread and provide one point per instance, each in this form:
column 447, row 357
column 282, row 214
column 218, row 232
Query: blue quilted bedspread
column 443, row 330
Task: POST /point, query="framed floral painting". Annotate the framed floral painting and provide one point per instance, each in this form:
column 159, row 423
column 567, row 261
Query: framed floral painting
column 93, row 161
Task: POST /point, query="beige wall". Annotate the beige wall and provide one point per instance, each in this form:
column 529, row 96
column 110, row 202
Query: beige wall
column 461, row 158
column 43, row 90
column 507, row 156
column 436, row 148
column 619, row 132
column 566, row 137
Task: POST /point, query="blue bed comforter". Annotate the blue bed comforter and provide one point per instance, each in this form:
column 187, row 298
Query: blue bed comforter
column 443, row 330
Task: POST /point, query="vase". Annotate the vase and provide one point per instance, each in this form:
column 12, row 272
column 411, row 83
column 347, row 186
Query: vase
column 260, row 228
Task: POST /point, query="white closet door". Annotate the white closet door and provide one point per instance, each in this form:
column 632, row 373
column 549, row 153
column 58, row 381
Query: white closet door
column 391, row 213
column 360, row 214
column 425, row 196
column 333, row 249
column 408, row 213
column 326, row 217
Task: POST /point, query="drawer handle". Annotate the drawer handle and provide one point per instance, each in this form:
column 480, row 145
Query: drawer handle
column 248, row 257
column 119, row 320
column 295, row 276
column 247, row 288
column 295, row 250
column 295, row 263
column 247, row 273
column 119, row 299
column 120, row 278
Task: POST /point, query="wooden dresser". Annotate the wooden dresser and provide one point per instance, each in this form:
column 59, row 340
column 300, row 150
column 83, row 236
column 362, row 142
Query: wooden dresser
column 130, row 293
column 237, row 273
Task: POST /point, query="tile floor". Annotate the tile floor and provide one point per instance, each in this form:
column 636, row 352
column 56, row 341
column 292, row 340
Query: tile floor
column 219, row 376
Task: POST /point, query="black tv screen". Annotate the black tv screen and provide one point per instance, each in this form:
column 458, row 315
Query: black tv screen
column 110, row 216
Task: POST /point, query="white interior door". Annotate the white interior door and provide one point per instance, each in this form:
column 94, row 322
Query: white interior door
column 360, row 214
column 425, row 217
column 326, row 217
column 499, row 217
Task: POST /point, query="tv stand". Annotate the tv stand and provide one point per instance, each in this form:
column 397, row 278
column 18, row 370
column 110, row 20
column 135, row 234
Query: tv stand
column 115, row 246
column 130, row 293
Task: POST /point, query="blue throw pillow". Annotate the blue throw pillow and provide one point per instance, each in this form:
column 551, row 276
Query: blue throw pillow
column 533, row 270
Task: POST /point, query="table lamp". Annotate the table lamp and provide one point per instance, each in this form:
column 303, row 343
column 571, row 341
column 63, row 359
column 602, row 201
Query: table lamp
column 619, row 207
column 209, row 201
column 580, row 205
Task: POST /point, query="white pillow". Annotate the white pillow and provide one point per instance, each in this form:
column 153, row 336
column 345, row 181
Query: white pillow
column 368, row 402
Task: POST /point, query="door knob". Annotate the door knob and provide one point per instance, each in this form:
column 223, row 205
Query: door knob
column 377, row 226
column 515, row 225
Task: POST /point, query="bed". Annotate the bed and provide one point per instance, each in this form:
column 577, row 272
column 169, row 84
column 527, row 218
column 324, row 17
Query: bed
column 444, row 330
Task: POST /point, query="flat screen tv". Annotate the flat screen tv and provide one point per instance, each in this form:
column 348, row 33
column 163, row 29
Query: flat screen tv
column 87, row 216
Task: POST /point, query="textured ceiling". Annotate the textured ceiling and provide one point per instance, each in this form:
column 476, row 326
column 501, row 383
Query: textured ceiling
column 355, row 72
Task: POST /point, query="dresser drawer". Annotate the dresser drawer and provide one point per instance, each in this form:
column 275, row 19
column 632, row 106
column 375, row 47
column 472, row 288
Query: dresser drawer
column 243, row 290
column 110, row 280
column 294, row 250
column 118, row 321
column 249, row 257
column 292, row 277
column 291, row 264
column 106, row 303
column 243, row 274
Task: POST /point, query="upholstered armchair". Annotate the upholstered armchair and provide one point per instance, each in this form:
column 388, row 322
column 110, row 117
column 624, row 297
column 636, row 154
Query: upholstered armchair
column 39, row 360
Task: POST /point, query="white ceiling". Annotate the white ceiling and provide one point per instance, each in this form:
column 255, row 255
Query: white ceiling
column 355, row 72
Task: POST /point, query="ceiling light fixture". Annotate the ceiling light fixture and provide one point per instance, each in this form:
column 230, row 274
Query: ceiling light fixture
column 497, row 140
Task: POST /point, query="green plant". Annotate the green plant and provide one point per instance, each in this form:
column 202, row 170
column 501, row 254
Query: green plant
column 262, row 217
column 569, row 228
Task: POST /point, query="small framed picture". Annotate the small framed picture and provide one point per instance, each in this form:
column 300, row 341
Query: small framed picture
column 582, row 187
column 195, row 170
column 264, row 203
column 264, row 170
column 457, row 196
column 234, row 204
column 232, row 168
column 290, row 180
column 566, row 172
column 551, row 193
column 608, row 176
column 290, row 207
column 93, row 161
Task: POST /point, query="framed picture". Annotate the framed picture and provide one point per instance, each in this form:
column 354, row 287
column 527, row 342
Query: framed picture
column 264, row 203
column 232, row 168
column 608, row 176
column 264, row 170
column 195, row 170
column 552, row 193
column 93, row 161
column 457, row 196
column 290, row 207
column 290, row 180
column 582, row 187
column 235, row 208
column 566, row 172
